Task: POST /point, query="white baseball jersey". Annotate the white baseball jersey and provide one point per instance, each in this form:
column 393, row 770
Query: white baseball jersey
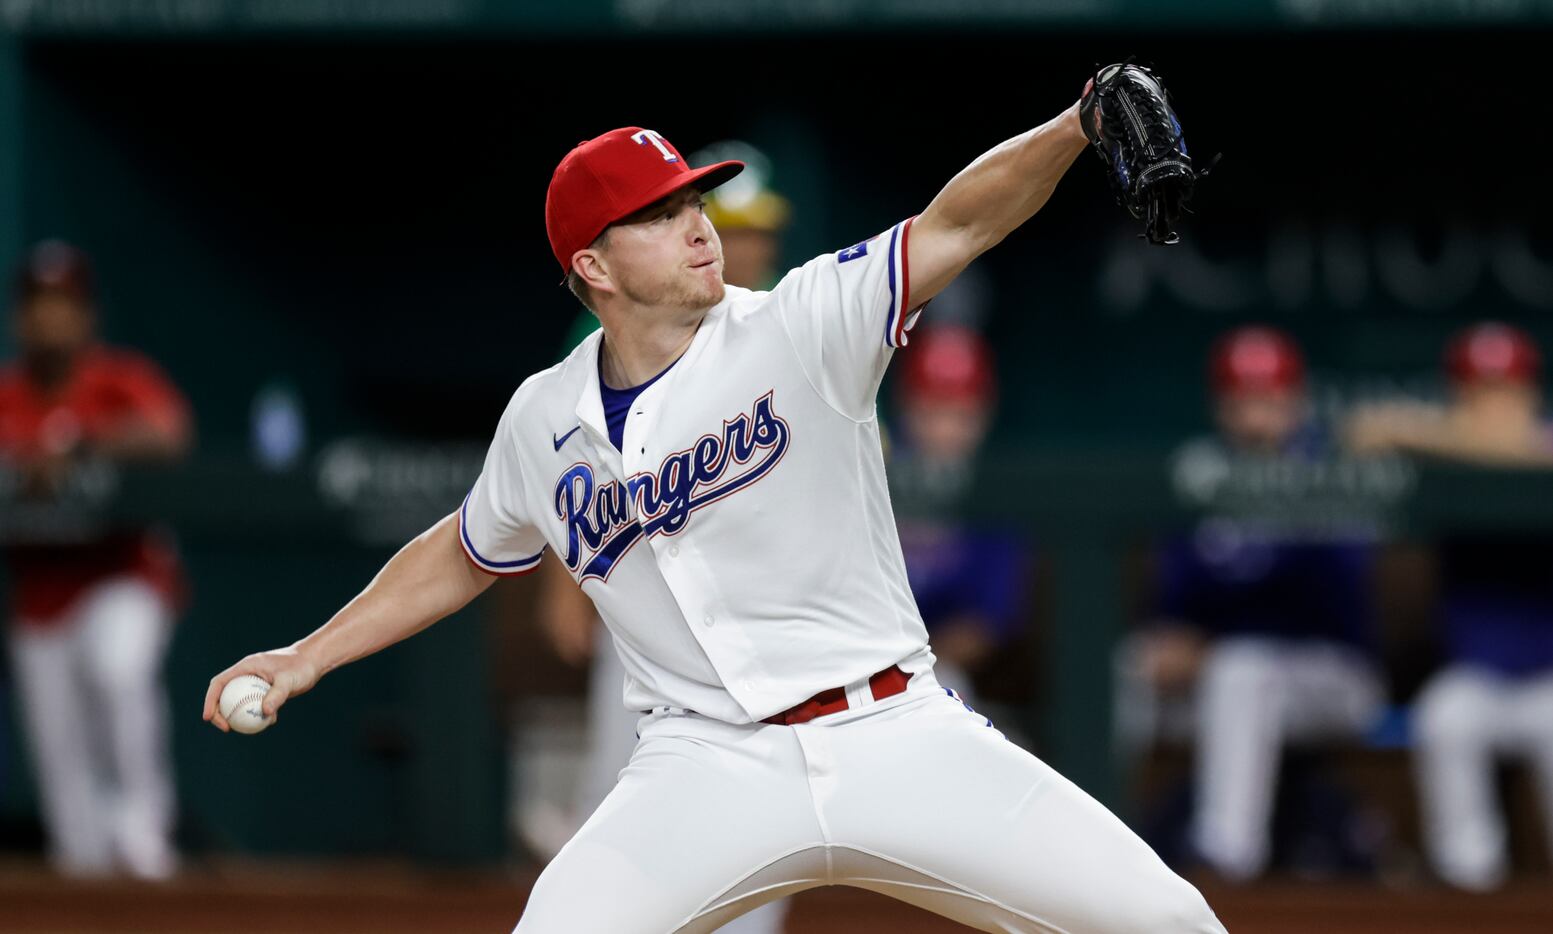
column 740, row 546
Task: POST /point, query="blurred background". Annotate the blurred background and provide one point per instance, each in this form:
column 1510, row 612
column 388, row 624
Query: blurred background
column 1251, row 537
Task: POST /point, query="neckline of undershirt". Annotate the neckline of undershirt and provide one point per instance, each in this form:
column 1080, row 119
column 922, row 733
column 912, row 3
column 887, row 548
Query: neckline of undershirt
column 617, row 402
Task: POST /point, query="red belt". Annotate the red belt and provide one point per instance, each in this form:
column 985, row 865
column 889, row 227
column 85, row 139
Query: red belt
column 886, row 683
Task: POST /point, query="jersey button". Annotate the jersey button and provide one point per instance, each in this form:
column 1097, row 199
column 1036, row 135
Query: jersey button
column 709, row 620
column 673, row 551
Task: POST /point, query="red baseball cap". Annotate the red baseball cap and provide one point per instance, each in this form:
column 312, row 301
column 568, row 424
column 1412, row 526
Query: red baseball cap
column 1493, row 351
column 613, row 176
column 948, row 362
column 1256, row 359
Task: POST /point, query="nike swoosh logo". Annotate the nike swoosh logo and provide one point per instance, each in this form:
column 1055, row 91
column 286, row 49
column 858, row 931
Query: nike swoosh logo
column 562, row 440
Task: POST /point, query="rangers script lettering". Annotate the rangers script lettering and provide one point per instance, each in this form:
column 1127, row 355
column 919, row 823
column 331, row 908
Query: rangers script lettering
column 598, row 518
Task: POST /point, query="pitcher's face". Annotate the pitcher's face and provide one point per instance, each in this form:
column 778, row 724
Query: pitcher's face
column 668, row 254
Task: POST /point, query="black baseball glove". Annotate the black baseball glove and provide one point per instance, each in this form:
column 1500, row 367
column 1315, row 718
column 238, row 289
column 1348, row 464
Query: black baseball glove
column 1127, row 117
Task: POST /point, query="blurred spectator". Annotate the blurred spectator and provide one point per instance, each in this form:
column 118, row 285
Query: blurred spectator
column 1494, row 696
column 91, row 615
column 1259, row 640
column 968, row 580
column 750, row 217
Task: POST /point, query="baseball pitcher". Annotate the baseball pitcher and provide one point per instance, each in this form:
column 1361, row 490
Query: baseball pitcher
column 708, row 467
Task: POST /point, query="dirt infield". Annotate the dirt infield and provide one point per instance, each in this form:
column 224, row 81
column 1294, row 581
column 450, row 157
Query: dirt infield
column 386, row 899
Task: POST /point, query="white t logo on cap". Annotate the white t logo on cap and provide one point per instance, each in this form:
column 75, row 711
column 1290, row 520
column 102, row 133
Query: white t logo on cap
column 651, row 136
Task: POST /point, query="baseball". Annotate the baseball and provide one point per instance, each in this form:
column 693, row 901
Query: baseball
column 240, row 701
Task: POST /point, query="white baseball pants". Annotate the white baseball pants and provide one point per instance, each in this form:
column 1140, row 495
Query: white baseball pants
column 611, row 740
column 1464, row 721
column 96, row 719
column 914, row 796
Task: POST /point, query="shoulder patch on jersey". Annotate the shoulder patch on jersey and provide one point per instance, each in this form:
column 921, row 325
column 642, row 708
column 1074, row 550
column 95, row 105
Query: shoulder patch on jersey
column 852, row 252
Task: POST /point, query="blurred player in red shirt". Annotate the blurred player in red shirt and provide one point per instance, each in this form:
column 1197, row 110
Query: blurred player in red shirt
column 91, row 614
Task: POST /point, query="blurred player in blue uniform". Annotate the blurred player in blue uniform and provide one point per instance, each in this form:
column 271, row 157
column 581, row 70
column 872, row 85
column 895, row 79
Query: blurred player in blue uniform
column 968, row 579
column 1259, row 639
column 1493, row 698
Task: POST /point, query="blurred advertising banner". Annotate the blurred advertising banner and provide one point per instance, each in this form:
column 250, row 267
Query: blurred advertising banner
column 392, row 492
column 1337, row 267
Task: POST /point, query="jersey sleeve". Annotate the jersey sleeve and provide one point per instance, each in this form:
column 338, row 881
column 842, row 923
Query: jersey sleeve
column 845, row 313
column 491, row 524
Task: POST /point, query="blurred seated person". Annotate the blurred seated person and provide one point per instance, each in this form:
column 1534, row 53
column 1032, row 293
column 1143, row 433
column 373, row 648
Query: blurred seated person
column 1259, row 640
column 968, row 579
column 1493, row 698
column 92, row 614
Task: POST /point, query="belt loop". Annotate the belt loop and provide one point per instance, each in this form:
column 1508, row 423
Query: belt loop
column 859, row 694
